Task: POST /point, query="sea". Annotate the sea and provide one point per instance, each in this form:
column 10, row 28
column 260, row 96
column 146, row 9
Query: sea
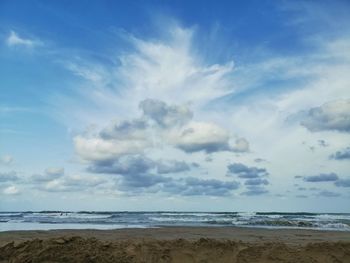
column 47, row 220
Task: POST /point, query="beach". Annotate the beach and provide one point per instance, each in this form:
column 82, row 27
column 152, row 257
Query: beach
column 176, row 244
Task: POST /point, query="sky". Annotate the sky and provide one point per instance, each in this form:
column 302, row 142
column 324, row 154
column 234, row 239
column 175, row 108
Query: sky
column 175, row 105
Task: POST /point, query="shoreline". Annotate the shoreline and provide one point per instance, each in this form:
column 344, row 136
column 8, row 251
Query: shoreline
column 176, row 244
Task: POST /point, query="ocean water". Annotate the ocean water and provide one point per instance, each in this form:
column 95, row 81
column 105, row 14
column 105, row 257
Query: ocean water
column 46, row 220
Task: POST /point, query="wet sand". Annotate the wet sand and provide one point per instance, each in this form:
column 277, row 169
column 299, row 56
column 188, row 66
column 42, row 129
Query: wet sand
column 176, row 244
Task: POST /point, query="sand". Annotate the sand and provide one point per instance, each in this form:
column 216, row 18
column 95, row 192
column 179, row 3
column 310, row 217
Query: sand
column 176, row 244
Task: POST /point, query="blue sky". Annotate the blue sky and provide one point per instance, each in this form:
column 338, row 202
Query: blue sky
column 175, row 105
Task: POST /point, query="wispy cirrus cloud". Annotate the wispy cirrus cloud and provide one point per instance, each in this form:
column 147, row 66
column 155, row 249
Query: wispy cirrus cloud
column 15, row 40
column 165, row 69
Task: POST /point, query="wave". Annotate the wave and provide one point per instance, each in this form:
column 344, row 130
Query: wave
column 287, row 213
column 11, row 214
column 167, row 218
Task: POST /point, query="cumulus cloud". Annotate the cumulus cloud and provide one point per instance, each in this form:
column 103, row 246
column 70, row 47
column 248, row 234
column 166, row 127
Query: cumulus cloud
column 165, row 115
column 8, row 177
column 207, row 137
column 167, row 167
column 133, row 129
column 14, row 40
column 192, row 186
column 334, row 115
column 11, row 190
column 343, row 182
column 253, row 176
column 72, row 183
column 194, row 136
column 301, row 196
column 139, row 174
column 244, row 171
column 128, row 165
column 341, row 155
column 54, row 171
column 151, row 76
column 259, row 160
column 256, row 181
column 6, row 159
column 323, row 143
column 83, row 181
column 201, row 136
column 168, row 71
column 210, row 187
column 241, row 146
column 99, row 149
column 255, row 190
column 139, row 164
column 330, row 177
column 49, row 174
column 326, row 193
column 142, row 180
column 208, row 158
column 188, row 186
column 54, row 179
column 174, row 127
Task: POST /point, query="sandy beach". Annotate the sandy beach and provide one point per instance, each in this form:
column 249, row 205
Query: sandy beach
column 176, row 244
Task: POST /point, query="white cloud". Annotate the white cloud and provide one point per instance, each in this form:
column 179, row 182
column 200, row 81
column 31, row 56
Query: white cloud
column 241, row 145
column 127, row 129
column 90, row 72
column 166, row 115
column 169, row 70
column 201, row 136
column 11, row 190
column 73, row 183
column 95, row 148
column 334, row 115
column 54, row 171
column 14, row 40
column 50, row 174
column 165, row 69
column 121, row 149
column 6, row 159
column 174, row 127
